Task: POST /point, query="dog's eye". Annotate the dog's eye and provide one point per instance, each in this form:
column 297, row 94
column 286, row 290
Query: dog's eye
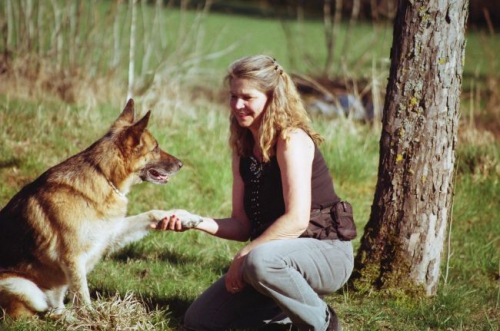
column 156, row 149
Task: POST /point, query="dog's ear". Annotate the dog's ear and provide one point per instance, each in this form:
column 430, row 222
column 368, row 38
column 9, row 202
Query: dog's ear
column 126, row 117
column 135, row 131
column 142, row 124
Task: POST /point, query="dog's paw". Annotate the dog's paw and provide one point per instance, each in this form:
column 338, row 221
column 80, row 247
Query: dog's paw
column 56, row 313
column 188, row 220
column 191, row 221
column 157, row 215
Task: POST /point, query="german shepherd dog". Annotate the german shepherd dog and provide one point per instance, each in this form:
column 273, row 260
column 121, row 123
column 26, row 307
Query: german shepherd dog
column 55, row 230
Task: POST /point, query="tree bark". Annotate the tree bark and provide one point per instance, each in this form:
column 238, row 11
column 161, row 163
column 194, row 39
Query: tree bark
column 402, row 244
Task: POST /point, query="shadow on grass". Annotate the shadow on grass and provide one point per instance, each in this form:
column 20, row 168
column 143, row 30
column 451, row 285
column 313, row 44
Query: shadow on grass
column 133, row 252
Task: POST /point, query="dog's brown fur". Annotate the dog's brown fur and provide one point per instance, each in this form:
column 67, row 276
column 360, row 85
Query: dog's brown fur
column 54, row 231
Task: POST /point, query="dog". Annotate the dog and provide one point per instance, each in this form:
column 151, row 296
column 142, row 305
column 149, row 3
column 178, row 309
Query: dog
column 55, row 229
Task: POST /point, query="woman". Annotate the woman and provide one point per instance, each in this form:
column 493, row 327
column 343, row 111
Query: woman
column 280, row 181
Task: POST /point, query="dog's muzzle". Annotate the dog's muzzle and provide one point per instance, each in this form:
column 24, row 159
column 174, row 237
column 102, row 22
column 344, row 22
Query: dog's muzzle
column 160, row 173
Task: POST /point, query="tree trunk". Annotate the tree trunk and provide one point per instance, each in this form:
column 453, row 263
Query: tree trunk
column 331, row 30
column 403, row 241
column 131, row 57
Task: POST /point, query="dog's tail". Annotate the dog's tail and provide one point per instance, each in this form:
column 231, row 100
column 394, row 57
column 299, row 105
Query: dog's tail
column 21, row 297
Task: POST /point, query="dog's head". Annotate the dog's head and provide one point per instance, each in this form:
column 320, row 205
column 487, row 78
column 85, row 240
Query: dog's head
column 143, row 156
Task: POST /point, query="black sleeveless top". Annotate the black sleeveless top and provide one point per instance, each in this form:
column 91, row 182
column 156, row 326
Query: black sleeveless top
column 263, row 193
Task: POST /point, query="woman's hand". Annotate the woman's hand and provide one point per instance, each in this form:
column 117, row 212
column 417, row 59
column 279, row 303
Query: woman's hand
column 178, row 220
column 234, row 276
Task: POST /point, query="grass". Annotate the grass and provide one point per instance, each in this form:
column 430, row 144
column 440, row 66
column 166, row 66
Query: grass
column 166, row 271
column 149, row 284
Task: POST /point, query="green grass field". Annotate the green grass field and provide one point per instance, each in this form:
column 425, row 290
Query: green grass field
column 148, row 285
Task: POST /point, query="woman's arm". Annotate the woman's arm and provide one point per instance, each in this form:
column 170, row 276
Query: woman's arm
column 236, row 227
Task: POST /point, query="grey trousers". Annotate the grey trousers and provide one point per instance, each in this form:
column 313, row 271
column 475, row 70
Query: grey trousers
column 285, row 282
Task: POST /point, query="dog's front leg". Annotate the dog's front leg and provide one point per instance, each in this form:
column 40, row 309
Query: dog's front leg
column 134, row 228
column 77, row 274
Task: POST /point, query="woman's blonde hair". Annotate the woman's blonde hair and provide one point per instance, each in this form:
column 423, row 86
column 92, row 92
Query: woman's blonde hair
column 285, row 110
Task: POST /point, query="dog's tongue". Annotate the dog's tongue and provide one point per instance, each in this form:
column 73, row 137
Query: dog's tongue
column 158, row 176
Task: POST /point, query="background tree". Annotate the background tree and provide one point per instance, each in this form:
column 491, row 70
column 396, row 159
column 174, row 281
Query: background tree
column 131, row 66
column 404, row 237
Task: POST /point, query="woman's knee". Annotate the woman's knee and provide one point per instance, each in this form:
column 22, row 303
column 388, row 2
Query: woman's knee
column 259, row 263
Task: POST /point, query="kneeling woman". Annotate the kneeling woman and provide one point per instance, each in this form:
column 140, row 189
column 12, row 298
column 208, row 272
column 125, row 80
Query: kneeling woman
column 280, row 182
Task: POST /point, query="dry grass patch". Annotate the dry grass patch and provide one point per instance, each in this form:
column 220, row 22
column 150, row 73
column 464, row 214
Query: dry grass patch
column 114, row 313
column 37, row 78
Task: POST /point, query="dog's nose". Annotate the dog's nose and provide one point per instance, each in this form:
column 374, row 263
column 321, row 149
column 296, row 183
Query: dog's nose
column 180, row 164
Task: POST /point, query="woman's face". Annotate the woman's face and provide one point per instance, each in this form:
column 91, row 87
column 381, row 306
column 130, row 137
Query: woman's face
column 247, row 103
